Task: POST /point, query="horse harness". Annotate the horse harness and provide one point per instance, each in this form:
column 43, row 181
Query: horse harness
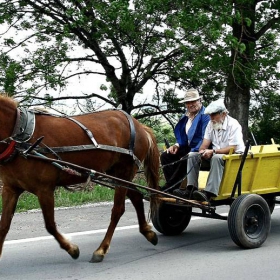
column 25, row 126
column 22, row 132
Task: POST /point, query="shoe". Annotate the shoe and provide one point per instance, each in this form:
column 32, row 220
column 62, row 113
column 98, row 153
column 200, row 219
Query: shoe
column 182, row 193
column 202, row 196
column 185, row 193
column 192, row 189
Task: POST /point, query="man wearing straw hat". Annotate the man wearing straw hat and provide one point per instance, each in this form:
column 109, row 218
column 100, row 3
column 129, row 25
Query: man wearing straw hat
column 189, row 132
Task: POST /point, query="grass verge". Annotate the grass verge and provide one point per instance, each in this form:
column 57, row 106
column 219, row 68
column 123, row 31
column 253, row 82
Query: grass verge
column 65, row 198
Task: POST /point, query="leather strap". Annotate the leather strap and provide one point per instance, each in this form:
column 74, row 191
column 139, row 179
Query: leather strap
column 8, row 152
column 132, row 131
column 67, row 149
column 88, row 132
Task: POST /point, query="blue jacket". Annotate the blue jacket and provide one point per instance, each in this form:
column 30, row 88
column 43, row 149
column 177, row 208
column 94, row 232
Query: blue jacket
column 195, row 133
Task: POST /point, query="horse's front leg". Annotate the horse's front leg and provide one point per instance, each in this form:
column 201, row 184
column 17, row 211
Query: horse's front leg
column 46, row 199
column 9, row 203
column 144, row 228
column 117, row 211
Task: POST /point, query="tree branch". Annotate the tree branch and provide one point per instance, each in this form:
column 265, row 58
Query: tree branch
column 266, row 27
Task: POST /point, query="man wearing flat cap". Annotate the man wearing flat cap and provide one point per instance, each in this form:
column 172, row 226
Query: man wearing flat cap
column 221, row 135
column 189, row 132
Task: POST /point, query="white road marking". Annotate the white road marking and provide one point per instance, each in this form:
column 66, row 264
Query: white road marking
column 81, row 233
column 34, row 239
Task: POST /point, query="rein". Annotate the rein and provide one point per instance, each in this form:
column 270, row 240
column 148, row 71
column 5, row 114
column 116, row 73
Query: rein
column 99, row 177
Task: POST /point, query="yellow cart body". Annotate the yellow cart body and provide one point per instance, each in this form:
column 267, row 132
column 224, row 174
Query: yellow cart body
column 260, row 173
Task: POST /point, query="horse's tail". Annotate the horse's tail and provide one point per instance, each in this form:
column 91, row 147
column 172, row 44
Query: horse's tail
column 151, row 166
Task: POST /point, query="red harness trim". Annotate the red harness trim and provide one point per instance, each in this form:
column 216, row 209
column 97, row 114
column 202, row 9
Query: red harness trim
column 8, row 152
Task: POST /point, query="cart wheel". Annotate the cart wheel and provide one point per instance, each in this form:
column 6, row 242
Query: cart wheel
column 171, row 219
column 271, row 203
column 249, row 221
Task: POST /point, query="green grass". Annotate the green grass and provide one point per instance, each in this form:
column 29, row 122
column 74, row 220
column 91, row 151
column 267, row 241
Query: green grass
column 93, row 195
column 65, row 198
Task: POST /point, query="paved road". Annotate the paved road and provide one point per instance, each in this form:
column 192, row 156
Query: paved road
column 204, row 251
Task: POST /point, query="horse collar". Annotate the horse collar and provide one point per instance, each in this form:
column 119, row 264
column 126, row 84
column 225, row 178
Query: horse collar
column 23, row 131
column 24, row 126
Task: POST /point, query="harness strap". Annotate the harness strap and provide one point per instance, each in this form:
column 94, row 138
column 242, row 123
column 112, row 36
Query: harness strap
column 25, row 125
column 8, row 152
column 88, row 132
column 132, row 131
column 65, row 149
column 17, row 124
column 131, row 141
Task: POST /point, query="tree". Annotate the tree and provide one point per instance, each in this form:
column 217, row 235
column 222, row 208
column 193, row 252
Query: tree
column 211, row 45
column 127, row 43
column 242, row 36
column 254, row 55
column 266, row 115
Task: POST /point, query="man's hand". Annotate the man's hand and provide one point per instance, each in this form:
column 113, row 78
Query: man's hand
column 172, row 149
column 207, row 153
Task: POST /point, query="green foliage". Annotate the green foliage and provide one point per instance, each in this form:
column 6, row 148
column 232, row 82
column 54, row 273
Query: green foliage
column 211, row 45
column 164, row 131
column 266, row 119
column 10, row 71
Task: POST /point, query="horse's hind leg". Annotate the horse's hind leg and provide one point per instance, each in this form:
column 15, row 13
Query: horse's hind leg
column 9, row 201
column 46, row 200
column 137, row 201
column 117, row 211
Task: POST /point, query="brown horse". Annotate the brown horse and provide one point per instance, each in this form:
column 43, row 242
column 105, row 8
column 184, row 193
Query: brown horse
column 110, row 127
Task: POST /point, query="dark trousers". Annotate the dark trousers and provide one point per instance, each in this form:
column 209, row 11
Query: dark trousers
column 174, row 173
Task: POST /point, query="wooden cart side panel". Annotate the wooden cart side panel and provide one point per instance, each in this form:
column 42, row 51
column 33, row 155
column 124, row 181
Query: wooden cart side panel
column 273, row 148
column 260, row 173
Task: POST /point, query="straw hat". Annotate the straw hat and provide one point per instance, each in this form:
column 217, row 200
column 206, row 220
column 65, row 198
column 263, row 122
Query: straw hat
column 190, row 95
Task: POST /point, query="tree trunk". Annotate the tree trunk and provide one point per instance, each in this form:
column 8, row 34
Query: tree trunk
column 241, row 69
column 237, row 101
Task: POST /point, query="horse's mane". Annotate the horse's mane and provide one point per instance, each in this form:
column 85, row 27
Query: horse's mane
column 4, row 97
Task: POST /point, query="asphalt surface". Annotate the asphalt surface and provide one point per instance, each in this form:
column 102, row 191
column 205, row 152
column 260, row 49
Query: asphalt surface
column 203, row 251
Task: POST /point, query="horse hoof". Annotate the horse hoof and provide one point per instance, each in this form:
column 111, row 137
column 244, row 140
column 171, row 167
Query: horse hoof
column 96, row 258
column 154, row 240
column 74, row 252
column 151, row 237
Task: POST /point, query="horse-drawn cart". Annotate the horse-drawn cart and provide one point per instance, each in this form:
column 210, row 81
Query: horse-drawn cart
column 250, row 185
column 41, row 151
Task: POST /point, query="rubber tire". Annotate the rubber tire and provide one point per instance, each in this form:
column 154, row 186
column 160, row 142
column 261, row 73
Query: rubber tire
column 249, row 221
column 170, row 219
column 271, row 203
